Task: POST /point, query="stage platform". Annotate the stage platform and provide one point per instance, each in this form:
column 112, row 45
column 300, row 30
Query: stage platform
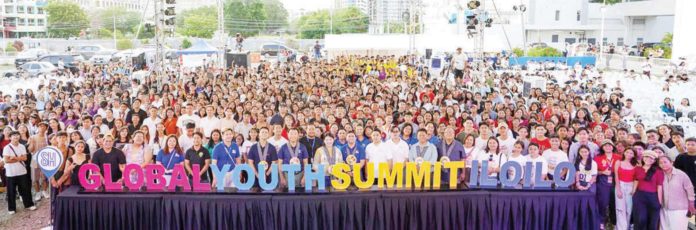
column 464, row 209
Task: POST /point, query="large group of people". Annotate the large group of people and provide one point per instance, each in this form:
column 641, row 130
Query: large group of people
column 354, row 110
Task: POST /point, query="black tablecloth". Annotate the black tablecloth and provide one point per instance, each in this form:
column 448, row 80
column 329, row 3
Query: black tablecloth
column 358, row 210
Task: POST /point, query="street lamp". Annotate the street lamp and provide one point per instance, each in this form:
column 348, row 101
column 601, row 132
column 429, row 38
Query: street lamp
column 522, row 8
column 601, row 33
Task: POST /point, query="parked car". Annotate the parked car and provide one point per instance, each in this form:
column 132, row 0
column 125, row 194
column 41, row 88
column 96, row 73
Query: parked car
column 37, row 68
column 70, row 61
column 538, row 44
column 29, row 55
column 271, row 50
column 87, row 51
column 9, row 73
column 102, row 57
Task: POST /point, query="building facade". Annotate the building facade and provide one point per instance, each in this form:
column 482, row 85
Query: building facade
column 22, row 18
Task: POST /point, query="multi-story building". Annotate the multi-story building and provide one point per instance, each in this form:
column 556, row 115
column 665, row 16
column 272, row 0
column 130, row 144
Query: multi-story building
column 22, row 18
column 362, row 5
column 89, row 5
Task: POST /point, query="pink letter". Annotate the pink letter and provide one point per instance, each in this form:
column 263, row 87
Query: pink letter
column 154, row 172
column 94, row 180
column 110, row 185
column 139, row 180
column 197, row 185
column 179, row 179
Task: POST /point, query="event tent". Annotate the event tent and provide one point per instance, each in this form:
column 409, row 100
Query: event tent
column 199, row 54
column 199, row 47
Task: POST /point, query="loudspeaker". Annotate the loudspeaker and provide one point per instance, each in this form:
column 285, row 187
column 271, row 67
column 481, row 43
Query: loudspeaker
column 238, row 59
column 428, row 53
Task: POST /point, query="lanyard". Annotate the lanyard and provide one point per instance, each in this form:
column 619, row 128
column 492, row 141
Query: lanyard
column 170, row 158
column 420, row 152
column 228, row 151
column 448, row 150
column 293, row 151
column 314, row 140
column 351, row 151
column 263, row 152
column 330, row 156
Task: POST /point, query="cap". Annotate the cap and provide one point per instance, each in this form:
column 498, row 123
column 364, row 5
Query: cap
column 650, row 153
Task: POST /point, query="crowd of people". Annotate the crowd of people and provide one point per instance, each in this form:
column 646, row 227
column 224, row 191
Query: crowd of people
column 357, row 110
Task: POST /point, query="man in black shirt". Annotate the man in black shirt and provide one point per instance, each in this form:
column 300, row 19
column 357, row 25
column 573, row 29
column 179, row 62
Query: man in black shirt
column 311, row 141
column 110, row 155
column 197, row 155
column 135, row 109
column 687, row 161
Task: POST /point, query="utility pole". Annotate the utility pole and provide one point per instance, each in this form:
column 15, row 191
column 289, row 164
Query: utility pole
column 114, row 25
column 601, row 34
column 159, row 62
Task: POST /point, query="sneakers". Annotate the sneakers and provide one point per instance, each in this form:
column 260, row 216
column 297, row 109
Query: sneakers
column 37, row 196
column 32, row 208
column 46, row 194
column 10, row 212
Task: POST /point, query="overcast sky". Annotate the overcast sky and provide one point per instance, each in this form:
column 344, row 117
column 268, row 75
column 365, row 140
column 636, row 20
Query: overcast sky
column 308, row 5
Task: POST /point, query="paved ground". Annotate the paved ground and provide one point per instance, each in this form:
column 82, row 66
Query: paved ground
column 25, row 219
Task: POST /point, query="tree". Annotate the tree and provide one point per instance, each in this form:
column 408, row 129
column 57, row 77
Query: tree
column 124, row 44
column 65, row 19
column 251, row 17
column 126, row 21
column 200, row 22
column 544, row 52
column 316, row 24
column 185, row 44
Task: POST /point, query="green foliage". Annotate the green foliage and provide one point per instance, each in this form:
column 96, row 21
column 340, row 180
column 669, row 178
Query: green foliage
column 145, row 41
column 65, row 19
column 519, row 52
column 251, row 17
column 109, row 34
column 665, row 48
column 126, row 21
column 124, row 44
column 543, row 52
column 185, row 44
column 316, row 24
column 667, row 39
column 9, row 47
column 200, row 22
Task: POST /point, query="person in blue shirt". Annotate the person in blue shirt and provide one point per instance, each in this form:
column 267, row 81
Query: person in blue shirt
column 226, row 153
column 423, row 150
column 360, row 137
column 262, row 153
column 432, row 137
column 169, row 156
column 293, row 153
column 341, row 139
column 353, row 149
column 450, row 150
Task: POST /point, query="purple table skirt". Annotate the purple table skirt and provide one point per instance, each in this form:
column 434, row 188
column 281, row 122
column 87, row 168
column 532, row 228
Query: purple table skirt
column 357, row 210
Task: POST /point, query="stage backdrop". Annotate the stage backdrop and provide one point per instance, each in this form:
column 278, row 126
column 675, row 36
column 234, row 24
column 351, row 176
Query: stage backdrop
column 357, row 210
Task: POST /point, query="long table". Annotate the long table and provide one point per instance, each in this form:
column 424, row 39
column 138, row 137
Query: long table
column 465, row 209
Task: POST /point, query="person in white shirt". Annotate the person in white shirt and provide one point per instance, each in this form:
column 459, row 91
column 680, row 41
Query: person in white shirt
column 209, row 122
column 14, row 157
column 151, row 122
column 228, row 121
column 277, row 140
column 377, row 152
column 186, row 140
column 554, row 155
column 482, row 139
column 516, row 156
column 459, row 60
column 186, row 118
column 244, row 126
column 399, row 148
column 535, row 158
column 493, row 156
column 506, row 141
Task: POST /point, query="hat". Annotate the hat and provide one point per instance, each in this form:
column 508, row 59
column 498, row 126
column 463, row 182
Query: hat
column 607, row 142
column 650, row 153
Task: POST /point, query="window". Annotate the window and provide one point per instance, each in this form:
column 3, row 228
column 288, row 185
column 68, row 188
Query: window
column 20, row 9
column 32, row 22
column 592, row 41
column 570, row 40
column 554, row 38
column 22, row 22
column 638, row 21
column 40, row 22
column 9, row 9
column 605, row 41
column 577, row 18
column 30, row 10
column 639, row 41
column 619, row 41
column 558, row 15
column 39, row 10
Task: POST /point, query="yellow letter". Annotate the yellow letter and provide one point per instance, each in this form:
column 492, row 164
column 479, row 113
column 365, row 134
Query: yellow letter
column 437, row 175
column 453, row 167
column 342, row 180
column 397, row 173
column 417, row 174
column 369, row 177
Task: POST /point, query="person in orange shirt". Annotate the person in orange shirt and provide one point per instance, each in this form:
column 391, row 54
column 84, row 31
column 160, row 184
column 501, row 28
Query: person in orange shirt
column 169, row 123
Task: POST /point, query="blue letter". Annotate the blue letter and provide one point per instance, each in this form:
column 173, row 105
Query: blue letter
column 290, row 170
column 517, row 168
column 473, row 175
column 539, row 181
column 220, row 175
column 527, row 175
column 268, row 186
column 570, row 176
column 487, row 180
column 237, row 176
column 310, row 175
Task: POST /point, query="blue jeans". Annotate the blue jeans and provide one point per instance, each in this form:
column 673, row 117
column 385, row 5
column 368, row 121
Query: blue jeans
column 646, row 210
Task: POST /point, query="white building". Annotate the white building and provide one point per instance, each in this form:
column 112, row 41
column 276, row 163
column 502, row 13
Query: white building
column 90, row 5
column 22, row 18
column 556, row 22
column 362, row 5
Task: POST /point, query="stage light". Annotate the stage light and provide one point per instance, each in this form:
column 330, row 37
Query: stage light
column 473, row 4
